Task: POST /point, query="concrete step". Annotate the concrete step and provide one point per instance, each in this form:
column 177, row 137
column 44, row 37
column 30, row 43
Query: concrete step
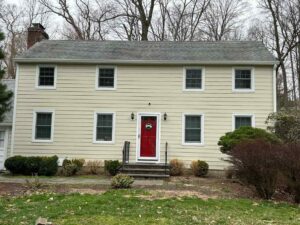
column 158, row 176
column 146, row 166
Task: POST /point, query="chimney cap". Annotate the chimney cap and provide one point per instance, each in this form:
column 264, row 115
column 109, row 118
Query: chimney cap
column 38, row 25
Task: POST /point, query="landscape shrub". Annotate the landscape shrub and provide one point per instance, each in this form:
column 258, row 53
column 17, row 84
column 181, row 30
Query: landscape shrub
column 176, row 167
column 71, row 167
column 43, row 166
column 199, row 168
column 256, row 163
column 122, row 181
column 285, row 124
column 112, row 166
column 289, row 158
column 231, row 139
column 93, row 166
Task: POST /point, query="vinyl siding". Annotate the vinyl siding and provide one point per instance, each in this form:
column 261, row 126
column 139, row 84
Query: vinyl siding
column 75, row 100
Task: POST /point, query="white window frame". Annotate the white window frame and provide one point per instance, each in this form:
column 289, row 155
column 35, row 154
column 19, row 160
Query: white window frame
column 96, row 113
column 115, row 78
column 234, row 115
column 203, row 79
column 37, row 86
column 202, row 129
column 241, row 90
column 34, row 125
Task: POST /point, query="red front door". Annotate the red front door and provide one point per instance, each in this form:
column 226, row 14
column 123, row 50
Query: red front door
column 148, row 136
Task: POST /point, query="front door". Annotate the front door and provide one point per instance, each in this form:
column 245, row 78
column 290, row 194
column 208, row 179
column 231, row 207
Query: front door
column 2, row 149
column 148, row 138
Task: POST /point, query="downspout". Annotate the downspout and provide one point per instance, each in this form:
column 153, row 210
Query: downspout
column 274, row 89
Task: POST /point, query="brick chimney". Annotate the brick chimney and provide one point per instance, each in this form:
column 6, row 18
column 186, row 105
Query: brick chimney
column 36, row 33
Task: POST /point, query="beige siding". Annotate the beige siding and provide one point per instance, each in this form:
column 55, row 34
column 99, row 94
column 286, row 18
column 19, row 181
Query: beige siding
column 75, row 100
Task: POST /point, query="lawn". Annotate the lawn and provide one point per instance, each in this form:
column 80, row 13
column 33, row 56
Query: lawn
column 138, row 207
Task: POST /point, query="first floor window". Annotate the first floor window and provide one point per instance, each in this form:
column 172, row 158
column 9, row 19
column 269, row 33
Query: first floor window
column 2, row 138
column 106, row 78
column 243, row 79
column 193, row 129
column 193, row 79
column 243, row 121
column 43, row 126
column 46, row 76
column 104, row 127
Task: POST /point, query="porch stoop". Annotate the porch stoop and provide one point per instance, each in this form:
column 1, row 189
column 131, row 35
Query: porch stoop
column 144, row 170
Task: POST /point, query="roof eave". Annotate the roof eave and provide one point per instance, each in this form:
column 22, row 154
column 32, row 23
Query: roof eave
column 142, row 62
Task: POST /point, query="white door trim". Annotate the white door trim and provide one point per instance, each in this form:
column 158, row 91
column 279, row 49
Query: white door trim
column 5, row 144
column 138, row 140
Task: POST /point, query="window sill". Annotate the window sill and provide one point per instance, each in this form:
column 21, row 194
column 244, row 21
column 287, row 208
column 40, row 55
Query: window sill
column 243, row 91
column 106, row 89
column 104, row 142
column 193, row 90
column 45, row 87
column 41, row 141
column 193, row 144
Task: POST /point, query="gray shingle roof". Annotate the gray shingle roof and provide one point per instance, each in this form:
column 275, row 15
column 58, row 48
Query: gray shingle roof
column 227, row 52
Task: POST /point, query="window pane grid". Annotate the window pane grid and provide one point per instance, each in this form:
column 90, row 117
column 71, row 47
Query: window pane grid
column 193, row 79
column 106, row 77
column 104, row 127
column 192, row 129
column 243, row 79
column 43, row 126
column 243, row 121
column 46, row 76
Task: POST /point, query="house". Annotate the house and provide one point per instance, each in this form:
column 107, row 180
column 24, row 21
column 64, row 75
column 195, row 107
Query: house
column 6, row 127
column 84, row 99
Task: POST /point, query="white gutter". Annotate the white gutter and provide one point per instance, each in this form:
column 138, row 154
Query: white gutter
column 140, row 62
column 14, row 112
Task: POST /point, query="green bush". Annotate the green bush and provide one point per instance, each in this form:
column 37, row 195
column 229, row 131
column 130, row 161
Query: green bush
column 231, row 139
column 112, row 166
column 71, row 167
column 285, row 124
column 122, row 181
column 176, row 167
column 199, row 168
column 43, row 166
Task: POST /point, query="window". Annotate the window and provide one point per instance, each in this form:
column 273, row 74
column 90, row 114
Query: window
column 104, row 128
column 243, row 121
column 193, row 79
column 106, row 78
column 243, row 80
column 43, row 126
column 193, row 129
column 2, row 139
column 46, row 77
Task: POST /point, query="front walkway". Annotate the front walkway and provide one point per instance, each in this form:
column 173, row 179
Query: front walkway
column 75, row 180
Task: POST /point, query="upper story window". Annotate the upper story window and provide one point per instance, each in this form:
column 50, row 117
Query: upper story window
column 43, row 126
column 106, row 79
column 193, row 79
column 243, row 121
column 243, row 80
column 193, row 129
column 46, row 78
column 104, row 128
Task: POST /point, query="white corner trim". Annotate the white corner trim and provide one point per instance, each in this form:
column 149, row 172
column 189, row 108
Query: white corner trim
column 96, row 113
column 274, row 89
column 15, row 110
column 202, row 129
column 37, row 86
column 243, row 115
column 202, row 77
column 34, row 125
column 252, row 80
column 115, row 78
column 138, row 139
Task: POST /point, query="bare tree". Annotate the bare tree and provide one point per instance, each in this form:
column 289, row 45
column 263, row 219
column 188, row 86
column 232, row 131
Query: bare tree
column 285, row 29
column 223, row 19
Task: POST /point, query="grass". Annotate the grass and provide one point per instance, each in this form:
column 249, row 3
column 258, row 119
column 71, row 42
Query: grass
column 132, row 207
